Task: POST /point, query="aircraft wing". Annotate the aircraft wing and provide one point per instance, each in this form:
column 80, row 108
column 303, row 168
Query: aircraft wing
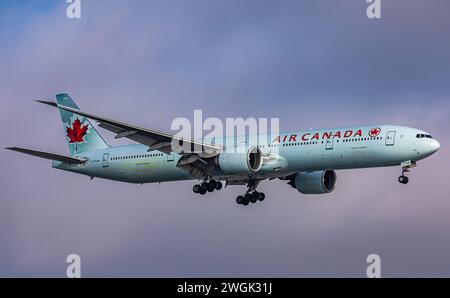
column 47, row 155
column 155, row 140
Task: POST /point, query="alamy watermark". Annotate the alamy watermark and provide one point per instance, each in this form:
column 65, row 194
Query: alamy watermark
column 73, row 10
column 74, row 268
column 374, row 268
column 374, row 9
column 233, row 135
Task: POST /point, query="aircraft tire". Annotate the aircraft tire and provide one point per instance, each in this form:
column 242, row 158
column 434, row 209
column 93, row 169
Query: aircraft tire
column 196, row 188
column 218, row 185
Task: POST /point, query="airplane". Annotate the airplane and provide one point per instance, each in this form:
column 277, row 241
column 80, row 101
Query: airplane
column 307, row 160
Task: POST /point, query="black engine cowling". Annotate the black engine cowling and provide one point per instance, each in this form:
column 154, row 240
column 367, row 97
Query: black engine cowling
column 318, row 182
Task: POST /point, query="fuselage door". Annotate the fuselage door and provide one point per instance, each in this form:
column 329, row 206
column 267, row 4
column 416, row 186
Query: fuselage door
column 329, row 143
column 105, row 160
column 390, row 138
column 171, row 156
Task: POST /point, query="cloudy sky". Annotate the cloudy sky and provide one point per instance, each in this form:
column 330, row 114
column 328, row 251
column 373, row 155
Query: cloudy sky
column 311, row 63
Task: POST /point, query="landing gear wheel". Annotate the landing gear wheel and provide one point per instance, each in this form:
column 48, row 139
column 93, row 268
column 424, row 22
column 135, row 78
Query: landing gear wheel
column 211, row 185
column 203, row 188
column 240, row 200
column 261, row 196
column 253, row 197
column 403, row 179
column 218, row 185
column 204, row 185
column 246, row 199
column 196, row 188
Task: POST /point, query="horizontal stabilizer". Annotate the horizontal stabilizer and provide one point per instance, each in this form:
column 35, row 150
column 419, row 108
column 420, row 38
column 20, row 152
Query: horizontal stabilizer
column 50, row 156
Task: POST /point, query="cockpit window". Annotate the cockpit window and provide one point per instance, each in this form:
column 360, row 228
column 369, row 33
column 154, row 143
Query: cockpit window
column 422, row 135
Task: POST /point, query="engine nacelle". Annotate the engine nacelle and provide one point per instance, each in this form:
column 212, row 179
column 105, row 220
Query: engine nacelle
column 314, row 182
column 242, row 161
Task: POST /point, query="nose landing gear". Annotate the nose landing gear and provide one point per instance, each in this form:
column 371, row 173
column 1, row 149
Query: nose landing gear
column 406, row 166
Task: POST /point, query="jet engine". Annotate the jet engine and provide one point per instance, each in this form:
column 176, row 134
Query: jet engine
column 240, row 160
column 318, row 182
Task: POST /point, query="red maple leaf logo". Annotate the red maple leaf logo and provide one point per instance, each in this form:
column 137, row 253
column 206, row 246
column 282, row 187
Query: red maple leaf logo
column 374, row 132
column 77, row 132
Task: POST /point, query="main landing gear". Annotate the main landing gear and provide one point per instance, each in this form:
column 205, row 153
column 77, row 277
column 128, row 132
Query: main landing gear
column 251, row 195
column 406, row 166
column 205, row 187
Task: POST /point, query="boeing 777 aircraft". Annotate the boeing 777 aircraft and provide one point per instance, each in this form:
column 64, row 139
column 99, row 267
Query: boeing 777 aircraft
column 306, row 159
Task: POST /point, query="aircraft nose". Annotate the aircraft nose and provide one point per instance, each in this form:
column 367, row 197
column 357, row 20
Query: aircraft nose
column 434, row 145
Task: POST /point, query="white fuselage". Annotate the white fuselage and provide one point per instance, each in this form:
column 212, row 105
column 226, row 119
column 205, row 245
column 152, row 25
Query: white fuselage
column 301, row 151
